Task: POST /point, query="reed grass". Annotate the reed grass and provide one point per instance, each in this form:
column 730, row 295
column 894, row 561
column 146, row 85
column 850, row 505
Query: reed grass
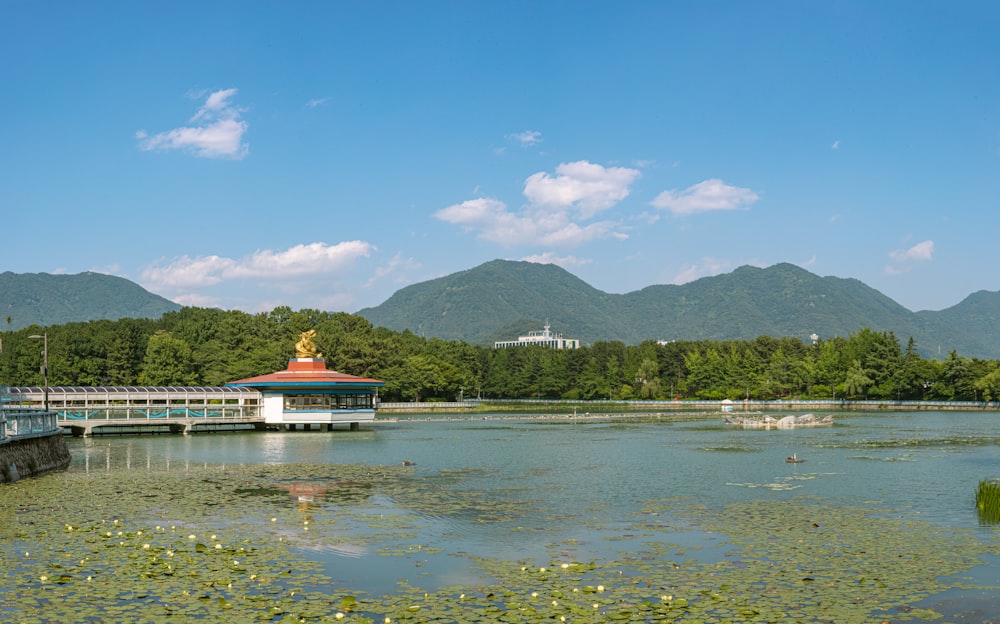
column 988, row 500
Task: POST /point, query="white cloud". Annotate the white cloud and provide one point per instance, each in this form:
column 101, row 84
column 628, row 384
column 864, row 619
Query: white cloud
column 706, row 196
column 902, row 260
column 585, row 186
column 493, row 221
column 300, row 260
column 317, row 102
column 706, row 268
column 559, row 210
column 217, row 103
column 397, row 271
column 919, row 252
column 186, row 272
column 551, row 258
column 313, row 259
column 526, row 138
column 217, row 131
column 835, row 145
column 198, row 300
column 496, row 224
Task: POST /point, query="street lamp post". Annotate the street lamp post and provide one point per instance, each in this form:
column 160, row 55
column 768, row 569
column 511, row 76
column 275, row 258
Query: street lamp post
column 45, row 364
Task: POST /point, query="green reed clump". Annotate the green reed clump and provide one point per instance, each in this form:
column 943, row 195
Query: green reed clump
column 988, row 500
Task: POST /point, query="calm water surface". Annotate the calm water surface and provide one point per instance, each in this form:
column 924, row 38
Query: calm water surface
column 579, row 480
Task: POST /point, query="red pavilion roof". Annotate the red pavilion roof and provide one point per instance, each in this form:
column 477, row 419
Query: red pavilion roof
column 306, row 372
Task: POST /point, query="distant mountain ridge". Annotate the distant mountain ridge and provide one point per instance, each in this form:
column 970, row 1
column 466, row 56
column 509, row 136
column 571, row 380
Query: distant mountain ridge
column 46, row 299
column 502, row 299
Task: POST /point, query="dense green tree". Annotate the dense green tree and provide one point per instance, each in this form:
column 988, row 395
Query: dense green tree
column 647, row 380
column 209, row 346
column 168, row 362
column 988, row 386
column 423, row 377
column 857, row 382
column 956, row 378
column 592, row 383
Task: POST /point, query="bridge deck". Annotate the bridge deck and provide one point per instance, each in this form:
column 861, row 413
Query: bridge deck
column 185, row 425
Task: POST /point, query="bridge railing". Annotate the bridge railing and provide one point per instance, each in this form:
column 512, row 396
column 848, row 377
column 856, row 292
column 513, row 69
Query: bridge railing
column 24, row 423
column 152, row 413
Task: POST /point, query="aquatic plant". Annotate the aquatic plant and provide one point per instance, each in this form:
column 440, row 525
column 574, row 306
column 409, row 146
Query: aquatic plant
column 232, row 544
column 988, row 500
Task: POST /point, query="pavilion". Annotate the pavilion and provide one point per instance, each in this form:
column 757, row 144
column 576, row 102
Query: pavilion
column 306, row 393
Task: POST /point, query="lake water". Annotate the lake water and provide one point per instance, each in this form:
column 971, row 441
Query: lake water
column 581, row 489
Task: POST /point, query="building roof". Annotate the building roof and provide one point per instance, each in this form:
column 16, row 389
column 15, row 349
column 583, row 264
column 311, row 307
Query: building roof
column 307, row 373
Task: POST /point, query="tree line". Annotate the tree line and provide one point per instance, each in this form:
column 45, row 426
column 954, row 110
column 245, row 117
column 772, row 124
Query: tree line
column 209, row 347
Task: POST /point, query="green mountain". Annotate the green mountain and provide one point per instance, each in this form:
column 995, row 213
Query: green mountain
column 503, row 299
column 495, row 299
column 44, row 299
column 970, row 327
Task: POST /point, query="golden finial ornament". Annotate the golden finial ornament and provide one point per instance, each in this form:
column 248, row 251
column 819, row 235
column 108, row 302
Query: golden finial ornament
column 305, row 348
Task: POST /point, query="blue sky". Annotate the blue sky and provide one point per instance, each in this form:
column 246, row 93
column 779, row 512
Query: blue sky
column 325, row 154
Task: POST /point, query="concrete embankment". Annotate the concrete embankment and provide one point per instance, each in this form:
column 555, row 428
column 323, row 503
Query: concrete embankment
column 32, row 456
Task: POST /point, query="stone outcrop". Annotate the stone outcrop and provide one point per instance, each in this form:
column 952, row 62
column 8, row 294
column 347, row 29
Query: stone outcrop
column 787, row 422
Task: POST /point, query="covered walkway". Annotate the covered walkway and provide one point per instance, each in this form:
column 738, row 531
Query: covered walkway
column 127, row 409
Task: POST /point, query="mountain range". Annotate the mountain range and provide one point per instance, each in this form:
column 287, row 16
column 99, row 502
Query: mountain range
column 502, row 299
column 46, row 299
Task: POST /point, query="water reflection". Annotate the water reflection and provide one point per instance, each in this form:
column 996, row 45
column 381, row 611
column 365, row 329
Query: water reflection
column 102, row 455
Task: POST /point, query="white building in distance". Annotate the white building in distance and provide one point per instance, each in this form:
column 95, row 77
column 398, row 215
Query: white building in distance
column 544, row 338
